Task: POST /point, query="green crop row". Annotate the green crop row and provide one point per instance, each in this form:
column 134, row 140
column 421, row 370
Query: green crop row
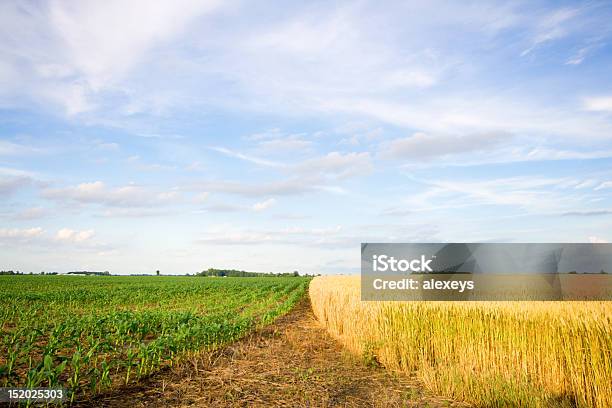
column 89, row 334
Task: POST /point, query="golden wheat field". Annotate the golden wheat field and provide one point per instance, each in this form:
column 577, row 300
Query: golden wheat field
column 527, row 354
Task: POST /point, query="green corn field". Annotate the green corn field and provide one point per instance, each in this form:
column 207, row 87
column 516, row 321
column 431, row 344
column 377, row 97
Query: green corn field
column 90, row 334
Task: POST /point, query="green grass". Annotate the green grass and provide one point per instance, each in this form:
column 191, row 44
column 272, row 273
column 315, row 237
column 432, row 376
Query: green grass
column 90, row 334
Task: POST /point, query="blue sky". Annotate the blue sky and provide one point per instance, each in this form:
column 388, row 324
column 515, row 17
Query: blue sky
column 269, row 136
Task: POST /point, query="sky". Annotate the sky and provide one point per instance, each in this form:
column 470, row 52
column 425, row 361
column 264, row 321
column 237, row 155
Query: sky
column 277, row 136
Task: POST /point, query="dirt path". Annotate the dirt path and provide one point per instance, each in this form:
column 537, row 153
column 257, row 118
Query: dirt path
column 292, row 362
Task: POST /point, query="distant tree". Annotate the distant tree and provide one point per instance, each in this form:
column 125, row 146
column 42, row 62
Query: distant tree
column 242, row 273
column 157, row 272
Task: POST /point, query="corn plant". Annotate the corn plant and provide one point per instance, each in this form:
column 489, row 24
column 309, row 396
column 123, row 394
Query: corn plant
column 88, row 334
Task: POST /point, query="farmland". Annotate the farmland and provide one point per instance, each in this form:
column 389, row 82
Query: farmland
column 528, row 354
column 91, row 334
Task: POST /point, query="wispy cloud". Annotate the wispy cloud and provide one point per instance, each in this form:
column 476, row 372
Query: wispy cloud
column 250, row 159
column 541, row 195
column 98, row 193
column 592, row 213
column 292, row 186
column 604, row 185
column 284, row 119
column 33, row 213
column 582, row 54
column 16, row 149
column 337, row 165
column 425, row 146
column 37, row 237
column 72, row 63
column 20, row 234
column 598, row 104
column 69, row 235
column 551, row 27
column 9, row 185
column 264, row 205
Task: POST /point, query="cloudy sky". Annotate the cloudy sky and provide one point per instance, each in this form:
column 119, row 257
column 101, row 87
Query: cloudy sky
column 269, row 136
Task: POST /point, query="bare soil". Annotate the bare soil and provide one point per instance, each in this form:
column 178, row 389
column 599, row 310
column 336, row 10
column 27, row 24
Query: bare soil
column 291, row 363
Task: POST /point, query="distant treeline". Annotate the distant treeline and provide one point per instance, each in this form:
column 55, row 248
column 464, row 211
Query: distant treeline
column 209, row 272
column 105, row 273
column 237, row 273
column 29, row 273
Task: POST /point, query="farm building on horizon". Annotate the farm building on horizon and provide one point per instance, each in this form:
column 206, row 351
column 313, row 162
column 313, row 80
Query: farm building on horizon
column 105, row 273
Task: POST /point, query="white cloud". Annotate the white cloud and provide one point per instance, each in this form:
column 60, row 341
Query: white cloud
column 400, row 79
column 597, row 240
column 12, row 172
column 335, row 237
column 293, row 186
column 543, row 154
column 101, row 54
column 20, row 234
column 290, row 143
column 309, row 62
column 195, row 166
column 337, row 165
column 598, row 104
column 485, row 113
column 580, row 55
column 98, row 193
column 422, row 145
column 139, row 164
column 133, row 213
column 604, row 185
column 513, row 153
column 237, row 238
column 355, row 134
column 308, row 176
column 588, row 213
column 264, row 205
column 286, row 236
column 201, row 197
column 107, row 145
column 224, row 207
column 528, row 194
column 251, row 159
column 14, row 149
column 37, row 237
column 551, row 27
column 31, row 214
column 68, row 235
column 68, row 54
column 586, row 184
column 9, row 185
